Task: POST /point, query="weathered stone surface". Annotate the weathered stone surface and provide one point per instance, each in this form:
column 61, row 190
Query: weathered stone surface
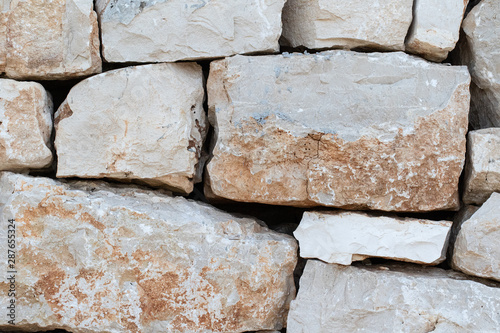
column 482, row 169
column 319, row 24
column 344, row 237
column 25, row 126
column 91, row 258
column 382, row 131
column 143, row 123
column 481, row 52
column 435, row 27
column 465, row 212
column 48, row 40
column 477, row 248
column 393, row 298
column 160, row 30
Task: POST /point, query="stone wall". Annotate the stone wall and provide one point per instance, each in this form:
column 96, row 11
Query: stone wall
column 294, row 166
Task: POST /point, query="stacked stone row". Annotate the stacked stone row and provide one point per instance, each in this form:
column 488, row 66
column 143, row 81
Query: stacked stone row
column 366, row 121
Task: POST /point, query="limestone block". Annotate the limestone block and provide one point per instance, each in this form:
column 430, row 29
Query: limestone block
column 477, row 248
column 164, row 31
column 94, row 258
column 392, row 298
column 382, row 131
column 435, row 28
column 343, row 237
column 319, row 24
column 47, row 40
column 25, row 126
column 143, row 123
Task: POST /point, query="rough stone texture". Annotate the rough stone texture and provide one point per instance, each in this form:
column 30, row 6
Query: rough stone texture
column 160, row 30
column 477, row 248
column 465, row 212
column 143, row 123
column 394, row 298
column 382, row 131
column 482, row 169
column 91, row 258
column 343, row 237
column 481, row 52
column 319, row 24
column 435, row 27
column 48, row 40
column 25, row 126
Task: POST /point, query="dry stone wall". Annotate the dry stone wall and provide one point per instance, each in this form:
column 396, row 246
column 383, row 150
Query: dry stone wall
column 249, row 166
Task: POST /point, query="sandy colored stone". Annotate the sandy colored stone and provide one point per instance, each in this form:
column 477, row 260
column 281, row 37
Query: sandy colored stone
column 344, row 237
column 319, row 24
column 142, row 123
column 465, row 213
column 477, row 248
column 482, row 169
column 435, row 28
column 92, row 258
column 25, row 126
column 164, row 31
column 48, row 40
column 391, row 298
column 383, row 131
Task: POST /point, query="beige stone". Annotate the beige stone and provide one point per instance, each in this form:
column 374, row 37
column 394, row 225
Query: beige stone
column 47, row 40
column 164, row 31
column 143, row 123
column 391, row 298
column 435, row 28
column 319, row 24
column 25, row 126
column 477, row 248
column 94, row 258
column 482, row 169
column 383, row 131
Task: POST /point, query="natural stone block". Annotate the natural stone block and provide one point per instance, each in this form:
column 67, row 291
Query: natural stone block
column 47, row 40
column 164, row 31
column 391, row 298
column 319, row 24
column 435, row 27
column 383, row 131
column 477, row 248
column 143, row 123
column 343, row 237
column 94, row 258
column 25, row 126
column 482, row 170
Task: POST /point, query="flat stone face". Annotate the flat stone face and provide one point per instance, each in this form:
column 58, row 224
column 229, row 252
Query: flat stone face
column 477, row 248
column 481, row 53
column 47, row 40
column 343, row 237
column 382, row 131
column 482, row 170
column 321, row 24
column 435, row 28
column 160, row 30
column 25, row 126
column 393, row 298
column 143, row 123
column 91, row 258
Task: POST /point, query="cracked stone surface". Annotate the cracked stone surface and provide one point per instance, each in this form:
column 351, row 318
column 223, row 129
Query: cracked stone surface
column 164, row 31
column 98, row 259
column 482, row 169
column 319, row 24
column 391, row 298
column 25, row 126
column 477, row 248
column 344, row 237
column 49, row 40
column 383, row 131
column 435, row 28
column 142, row 123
